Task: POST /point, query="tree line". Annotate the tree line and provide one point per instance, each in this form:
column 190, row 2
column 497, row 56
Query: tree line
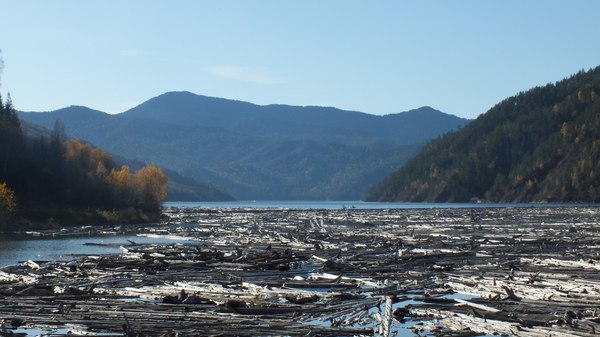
column 539, row 145
column 52, row 172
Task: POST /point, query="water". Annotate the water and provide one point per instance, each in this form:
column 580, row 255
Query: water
column 349, row 204
column 48, row 331
column 22, row 248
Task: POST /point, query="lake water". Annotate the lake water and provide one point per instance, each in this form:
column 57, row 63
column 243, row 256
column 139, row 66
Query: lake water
column 16, row 249
column 349, row 204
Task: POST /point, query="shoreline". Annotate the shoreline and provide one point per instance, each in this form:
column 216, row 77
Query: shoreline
column 55, row 218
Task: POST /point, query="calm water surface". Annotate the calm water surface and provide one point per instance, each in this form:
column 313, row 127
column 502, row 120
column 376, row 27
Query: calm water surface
column 348, row 204
column 15, row 249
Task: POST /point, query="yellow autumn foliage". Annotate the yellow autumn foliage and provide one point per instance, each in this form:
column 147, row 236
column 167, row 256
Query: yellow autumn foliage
column 145, row 189
column 8, row 202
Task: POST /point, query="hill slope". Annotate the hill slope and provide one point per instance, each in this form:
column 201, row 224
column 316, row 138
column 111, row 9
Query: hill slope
column 181, row 188
column 259, row 152
column 47, row 179
column 540, row 145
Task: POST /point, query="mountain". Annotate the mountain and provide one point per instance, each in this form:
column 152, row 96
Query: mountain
column 181, row 188
column 259, row 152
column 539, row 145
column 294, row 122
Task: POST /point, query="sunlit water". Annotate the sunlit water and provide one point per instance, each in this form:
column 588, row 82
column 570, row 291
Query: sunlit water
column 17, row 249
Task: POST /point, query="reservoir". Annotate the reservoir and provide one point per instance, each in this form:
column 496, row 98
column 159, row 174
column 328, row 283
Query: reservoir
column 16, row 248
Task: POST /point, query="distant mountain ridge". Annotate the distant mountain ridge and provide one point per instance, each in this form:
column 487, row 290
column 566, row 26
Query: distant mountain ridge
column 259, row 152
column 539, row 145
column 277, row 120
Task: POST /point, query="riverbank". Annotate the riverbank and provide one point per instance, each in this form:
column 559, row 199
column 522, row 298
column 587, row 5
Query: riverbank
column 53, row 218
column 527, row 272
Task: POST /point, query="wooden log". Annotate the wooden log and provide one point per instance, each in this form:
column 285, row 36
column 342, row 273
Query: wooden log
column 476, row 305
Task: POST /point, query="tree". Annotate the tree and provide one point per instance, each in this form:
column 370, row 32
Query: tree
column 564, row 131
column 52, row 173
column 151, row 185
column 120, row 182
column 8, row 203
column 537, row 145
column 11, row 139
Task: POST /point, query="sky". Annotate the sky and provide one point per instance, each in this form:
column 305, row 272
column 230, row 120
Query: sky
column 380, row 57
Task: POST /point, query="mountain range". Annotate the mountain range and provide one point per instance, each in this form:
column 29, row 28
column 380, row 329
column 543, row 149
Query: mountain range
column 267, row 152
column 539, row 145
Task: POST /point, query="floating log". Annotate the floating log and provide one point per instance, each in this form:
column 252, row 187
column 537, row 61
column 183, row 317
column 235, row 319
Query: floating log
column 519, row 271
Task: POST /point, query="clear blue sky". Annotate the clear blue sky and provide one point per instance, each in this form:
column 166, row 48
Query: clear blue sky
column 379, row 57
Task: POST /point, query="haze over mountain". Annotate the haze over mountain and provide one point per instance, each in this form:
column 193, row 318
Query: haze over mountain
column 539, row 145
column 259, row 152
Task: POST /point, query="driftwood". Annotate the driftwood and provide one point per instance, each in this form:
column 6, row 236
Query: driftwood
column 248, row 272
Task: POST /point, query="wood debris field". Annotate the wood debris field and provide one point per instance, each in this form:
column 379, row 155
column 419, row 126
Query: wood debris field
column 348, row 272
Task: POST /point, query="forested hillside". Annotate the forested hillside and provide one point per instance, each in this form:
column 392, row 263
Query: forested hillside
column 180, row 188
column 539, row 145
column 271, row 152
column 50, row 180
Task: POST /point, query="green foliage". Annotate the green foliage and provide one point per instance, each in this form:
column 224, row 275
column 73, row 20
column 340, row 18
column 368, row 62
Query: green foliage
column 540, row 145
